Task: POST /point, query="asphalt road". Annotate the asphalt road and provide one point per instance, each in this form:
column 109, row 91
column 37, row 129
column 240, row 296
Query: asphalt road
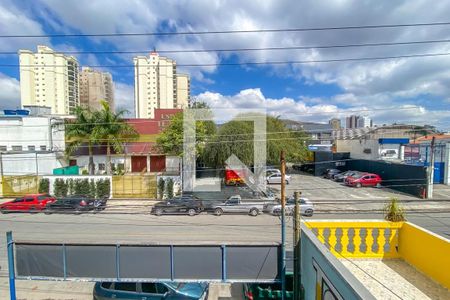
column 133, row 224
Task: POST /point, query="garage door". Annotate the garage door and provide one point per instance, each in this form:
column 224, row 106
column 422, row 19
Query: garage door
column 158, row 163
column 138, row 164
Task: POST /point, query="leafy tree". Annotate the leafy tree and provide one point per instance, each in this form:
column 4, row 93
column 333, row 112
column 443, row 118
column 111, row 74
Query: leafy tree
column 394, row 211
column 236, row 137
column 170, row 141
column 79, row 133
column 112, row 131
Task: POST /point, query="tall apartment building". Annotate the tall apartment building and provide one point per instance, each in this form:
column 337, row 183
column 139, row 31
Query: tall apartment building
column 156, row 85
column 96, row 86
column 183, row 91
column 49, row 79
column 335, row 123
column 364, row 121
column 355, row 121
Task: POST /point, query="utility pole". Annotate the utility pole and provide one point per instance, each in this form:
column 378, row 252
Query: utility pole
column 431, row 170
column 283, row 226
column 297, row 235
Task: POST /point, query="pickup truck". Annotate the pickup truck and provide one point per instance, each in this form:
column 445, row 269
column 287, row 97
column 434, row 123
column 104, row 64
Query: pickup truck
column 234, row 205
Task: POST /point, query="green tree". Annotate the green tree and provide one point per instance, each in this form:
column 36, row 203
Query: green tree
column 170, row 141
column 161, row 186
column 44, row 185
column 79, row 133
column 112, row 131
column 236, row 137
column 169, row 188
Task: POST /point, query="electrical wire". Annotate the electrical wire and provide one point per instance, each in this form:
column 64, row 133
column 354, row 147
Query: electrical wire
column 293, row 62
column 163, row 51
column 305, row 29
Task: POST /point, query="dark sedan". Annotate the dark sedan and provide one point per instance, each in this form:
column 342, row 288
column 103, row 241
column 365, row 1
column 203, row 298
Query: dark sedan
column 76, row 204
column 180, row 205
column 330, row 173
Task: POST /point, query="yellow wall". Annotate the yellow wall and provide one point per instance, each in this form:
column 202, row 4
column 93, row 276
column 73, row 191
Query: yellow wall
column 426, row 251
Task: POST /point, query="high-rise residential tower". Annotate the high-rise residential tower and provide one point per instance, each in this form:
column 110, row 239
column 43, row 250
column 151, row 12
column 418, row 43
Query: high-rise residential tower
column 49, row 79
column 156, row 85
column 96, row 86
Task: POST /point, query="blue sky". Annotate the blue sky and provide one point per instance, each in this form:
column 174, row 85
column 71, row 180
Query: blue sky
column 402, row 90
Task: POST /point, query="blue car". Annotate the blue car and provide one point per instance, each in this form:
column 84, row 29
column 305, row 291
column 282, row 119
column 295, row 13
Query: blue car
column 150, row 290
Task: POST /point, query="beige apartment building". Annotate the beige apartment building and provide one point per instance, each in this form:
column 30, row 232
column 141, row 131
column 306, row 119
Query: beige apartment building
column 156, row 85
column 49, row 79
column 96, row 86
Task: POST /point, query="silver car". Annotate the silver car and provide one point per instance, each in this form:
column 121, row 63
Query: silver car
column 306, row 207
column 276, row 178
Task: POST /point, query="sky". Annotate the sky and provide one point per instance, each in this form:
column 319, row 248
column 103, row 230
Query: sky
column 402, row 90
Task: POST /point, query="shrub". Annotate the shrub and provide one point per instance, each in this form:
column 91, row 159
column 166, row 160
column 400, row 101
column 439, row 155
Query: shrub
column 169, row 188
column 393, row 211
column 44, row 185
column 161, row 185
column 92, row 189
column 60, row 188
column 103, row 188
column 70, row 190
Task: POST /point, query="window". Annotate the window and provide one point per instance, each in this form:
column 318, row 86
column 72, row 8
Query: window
column 31, row 148
column 42, row 197
column 125, row 286
column 101, row 167
column 16, row 148
column 29, row 199
column 106, row 285
column 43, row 147
column 149, row 287
column 161, row 288
column 3, row 148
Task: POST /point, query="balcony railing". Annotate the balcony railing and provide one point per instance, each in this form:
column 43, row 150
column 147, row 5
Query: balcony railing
column 358, row 239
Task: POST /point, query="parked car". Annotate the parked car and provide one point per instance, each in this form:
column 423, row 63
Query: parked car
column 342, row 176
column 365, row 179
column 272, row 171
column 262, row 291
column 306, row 207
column 28, row 203
column 234, row 205
column 276, row 178
column 330, row 173
column 74, row 203
column 185, row 204
column 149, row 290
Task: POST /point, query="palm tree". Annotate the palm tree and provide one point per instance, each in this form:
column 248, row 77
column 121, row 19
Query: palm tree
column 112, row 131
column 78, row 133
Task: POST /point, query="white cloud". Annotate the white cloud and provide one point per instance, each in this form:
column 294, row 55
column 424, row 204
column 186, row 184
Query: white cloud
column 124, row 97
column 9, row 92
column 300, row 110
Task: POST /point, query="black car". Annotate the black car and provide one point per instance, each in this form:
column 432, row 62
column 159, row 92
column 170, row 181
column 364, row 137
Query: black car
column 75, row 203
column 185, row 204
column 330, row 173
column 341, row 177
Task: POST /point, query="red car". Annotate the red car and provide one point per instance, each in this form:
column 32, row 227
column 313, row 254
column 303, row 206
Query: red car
column 29, row 203
column 364, row 179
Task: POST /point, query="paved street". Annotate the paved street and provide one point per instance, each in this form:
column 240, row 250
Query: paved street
column 129, row 221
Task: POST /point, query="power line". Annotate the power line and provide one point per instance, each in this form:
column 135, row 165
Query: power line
column 248, row 49
column 248, row 63
column 305, row 29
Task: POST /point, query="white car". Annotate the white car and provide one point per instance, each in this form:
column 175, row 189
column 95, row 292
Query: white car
column 272, row 171
column 276, row 178
column 306, row 207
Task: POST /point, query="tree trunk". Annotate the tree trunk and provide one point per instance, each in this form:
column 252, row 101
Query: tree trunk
column 91, row 165
column 108, row 159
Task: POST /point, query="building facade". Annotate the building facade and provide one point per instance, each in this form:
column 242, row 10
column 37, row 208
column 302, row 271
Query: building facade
column 183, row 91
column 335, row 123
column 351, row 122
column 96, row 86
column 49, row 79
column 364, row 121
column 31, row 144
column 156, row 85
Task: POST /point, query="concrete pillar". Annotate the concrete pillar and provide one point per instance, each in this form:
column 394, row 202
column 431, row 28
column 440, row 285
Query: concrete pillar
column 148, row 163
column 447, row 164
